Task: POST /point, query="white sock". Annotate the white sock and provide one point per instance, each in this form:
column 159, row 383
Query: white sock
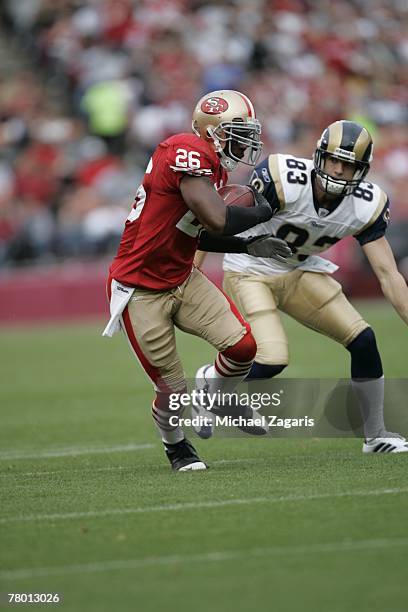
column 170, row 434
column 370, row 394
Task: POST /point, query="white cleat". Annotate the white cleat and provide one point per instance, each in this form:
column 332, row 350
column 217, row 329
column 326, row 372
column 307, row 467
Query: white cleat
column 197, row 465
column 387, row 444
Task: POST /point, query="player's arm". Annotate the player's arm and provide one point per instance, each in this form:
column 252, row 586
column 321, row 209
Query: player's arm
column 393, row 284
column 268, row 190
column 209, row 208
column 257, row 246
column 381, row 258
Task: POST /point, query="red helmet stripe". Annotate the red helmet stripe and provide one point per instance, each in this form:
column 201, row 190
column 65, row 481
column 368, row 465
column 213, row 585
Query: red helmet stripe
column 249, row 105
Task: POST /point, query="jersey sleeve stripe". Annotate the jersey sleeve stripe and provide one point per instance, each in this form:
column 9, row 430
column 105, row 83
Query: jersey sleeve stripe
column 273, row 164
column 381, row 203
column 197, row 172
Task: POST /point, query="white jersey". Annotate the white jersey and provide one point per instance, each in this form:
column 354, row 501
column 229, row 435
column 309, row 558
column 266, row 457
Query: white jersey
column 286, row 181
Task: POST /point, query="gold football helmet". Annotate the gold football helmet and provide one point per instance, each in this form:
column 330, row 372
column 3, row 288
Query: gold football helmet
column 350, row 142
column 227, row 119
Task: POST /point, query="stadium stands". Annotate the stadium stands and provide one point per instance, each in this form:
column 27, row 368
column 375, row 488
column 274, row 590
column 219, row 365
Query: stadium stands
column 87, row 90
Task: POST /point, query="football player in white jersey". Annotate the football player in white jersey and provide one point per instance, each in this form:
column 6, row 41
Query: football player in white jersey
column 317, row 203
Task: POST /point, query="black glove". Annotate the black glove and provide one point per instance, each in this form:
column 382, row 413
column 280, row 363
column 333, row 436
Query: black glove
column 262, row 205
column 268, row 246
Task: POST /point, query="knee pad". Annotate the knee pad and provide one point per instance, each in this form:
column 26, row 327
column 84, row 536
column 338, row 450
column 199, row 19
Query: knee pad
column 365, row 358
column 259, row 371
column 242, row 351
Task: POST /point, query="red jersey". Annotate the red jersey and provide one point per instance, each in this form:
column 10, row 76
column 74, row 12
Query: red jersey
column 161, row 233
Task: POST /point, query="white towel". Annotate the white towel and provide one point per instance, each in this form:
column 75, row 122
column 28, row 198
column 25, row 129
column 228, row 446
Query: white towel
column 119, row 299
column 314, row 263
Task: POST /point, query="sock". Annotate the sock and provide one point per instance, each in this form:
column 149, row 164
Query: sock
column 225, row 375
column 161, row 413
column 231, row 366
column 368, row 382
column 370, row 394
column 260, row 371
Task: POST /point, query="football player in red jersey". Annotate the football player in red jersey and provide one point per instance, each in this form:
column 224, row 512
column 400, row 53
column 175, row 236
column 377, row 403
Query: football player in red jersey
column 153, row 286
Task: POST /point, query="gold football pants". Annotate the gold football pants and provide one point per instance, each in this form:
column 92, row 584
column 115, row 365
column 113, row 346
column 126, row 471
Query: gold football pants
column 314, row 299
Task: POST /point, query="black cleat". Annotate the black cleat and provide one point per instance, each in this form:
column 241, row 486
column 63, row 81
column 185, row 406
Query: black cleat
column 183, row 456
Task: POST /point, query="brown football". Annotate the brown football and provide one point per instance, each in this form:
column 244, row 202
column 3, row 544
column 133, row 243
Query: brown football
column 237, row 195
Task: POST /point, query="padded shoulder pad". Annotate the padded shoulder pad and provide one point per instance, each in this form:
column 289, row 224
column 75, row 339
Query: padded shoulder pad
column 293, row 174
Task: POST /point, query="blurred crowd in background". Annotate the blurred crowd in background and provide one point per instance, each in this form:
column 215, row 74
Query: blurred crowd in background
column 88, row 88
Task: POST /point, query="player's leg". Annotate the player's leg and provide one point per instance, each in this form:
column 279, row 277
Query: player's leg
column 317, row 301
column 255, row 300
column 147, row 324
column 206, row 312
column 368, row 383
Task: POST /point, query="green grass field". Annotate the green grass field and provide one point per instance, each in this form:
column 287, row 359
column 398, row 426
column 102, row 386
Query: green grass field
column 91, row 510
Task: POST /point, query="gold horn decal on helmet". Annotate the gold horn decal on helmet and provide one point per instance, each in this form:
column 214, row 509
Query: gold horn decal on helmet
column 362, row 143
column 335, row 136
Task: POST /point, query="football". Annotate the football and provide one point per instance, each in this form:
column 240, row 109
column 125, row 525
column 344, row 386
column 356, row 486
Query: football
column 237, row 195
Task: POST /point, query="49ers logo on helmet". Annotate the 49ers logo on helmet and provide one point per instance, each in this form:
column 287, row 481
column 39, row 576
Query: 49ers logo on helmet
column 213, row 106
